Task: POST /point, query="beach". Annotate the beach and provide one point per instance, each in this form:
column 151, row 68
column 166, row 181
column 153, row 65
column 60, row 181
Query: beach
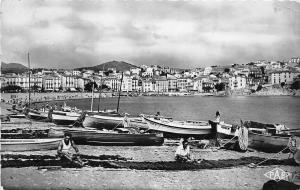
column 241, row 177
column 89, row 177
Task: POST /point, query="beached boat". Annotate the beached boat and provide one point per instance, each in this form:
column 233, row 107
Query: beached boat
column 96, row 137
column 36, row 115
column 28, row 144
column 270, row 143
column 103, row 120
column 179, row 128
column 258, row 127
column 225, row 130
column 64, row 118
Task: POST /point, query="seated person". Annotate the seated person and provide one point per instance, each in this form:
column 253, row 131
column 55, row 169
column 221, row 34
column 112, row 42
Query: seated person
column 64, row 148
column 183, row 152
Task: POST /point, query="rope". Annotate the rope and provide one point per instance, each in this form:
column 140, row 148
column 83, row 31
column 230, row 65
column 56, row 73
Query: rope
column 278, row 153
column 117, row 125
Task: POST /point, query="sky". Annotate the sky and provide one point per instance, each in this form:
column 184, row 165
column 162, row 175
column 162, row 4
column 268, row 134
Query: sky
column 185, row 34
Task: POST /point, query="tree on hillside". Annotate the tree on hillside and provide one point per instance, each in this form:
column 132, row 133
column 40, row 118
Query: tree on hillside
column 89, row 86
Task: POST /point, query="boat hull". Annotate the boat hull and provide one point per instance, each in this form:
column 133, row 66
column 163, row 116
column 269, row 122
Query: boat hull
column 60, row 119
column 269, row 143
column 103, row 121
column 19, row 145
column 116, row 139
column 171, row 128
column 37, row 116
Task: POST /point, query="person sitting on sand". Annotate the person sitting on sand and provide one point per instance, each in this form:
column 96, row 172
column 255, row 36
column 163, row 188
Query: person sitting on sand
column 64, row 148
column 183, row 152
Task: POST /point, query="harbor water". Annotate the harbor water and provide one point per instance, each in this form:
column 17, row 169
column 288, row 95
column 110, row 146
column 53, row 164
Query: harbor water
column 271, row 109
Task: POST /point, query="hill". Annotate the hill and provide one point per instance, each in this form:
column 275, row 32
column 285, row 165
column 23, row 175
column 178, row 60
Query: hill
column 12, row 68
column 119, row 65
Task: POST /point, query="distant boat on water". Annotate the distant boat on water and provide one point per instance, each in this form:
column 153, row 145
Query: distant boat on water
column 16, row 145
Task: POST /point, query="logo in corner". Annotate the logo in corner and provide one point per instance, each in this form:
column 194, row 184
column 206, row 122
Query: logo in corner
column 278, row 174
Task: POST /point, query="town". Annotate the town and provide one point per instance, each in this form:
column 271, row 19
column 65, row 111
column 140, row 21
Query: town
column 241, row 79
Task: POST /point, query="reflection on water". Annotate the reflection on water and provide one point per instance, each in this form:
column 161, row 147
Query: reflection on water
column 281, row 109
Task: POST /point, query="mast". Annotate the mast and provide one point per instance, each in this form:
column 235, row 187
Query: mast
column 120, row 93
column 29, row 96
column 99, row 97
column 92, row 102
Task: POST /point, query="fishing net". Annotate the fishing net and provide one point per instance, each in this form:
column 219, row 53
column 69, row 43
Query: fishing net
column 243, row 138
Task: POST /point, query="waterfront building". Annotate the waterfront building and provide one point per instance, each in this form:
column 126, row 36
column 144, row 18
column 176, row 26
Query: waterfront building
column 160, row 84
column 136, row 84
column 52, row 82
column 147, row 85
column 237, row 82
column 182, row 84
column 71, row 83
column 284, row 76
column 112, row 82
column 172, row 83
column 126, row 84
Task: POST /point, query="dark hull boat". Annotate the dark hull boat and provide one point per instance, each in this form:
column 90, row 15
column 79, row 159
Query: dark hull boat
column 271, row 143
column 95, row 137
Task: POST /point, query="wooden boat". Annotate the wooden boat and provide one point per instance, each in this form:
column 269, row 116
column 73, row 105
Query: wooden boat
column 268, row 142
column 96, row 137
column 295, row 132
column 179, row 128
column 64, row 118
column 225, row 130
column 259, row 127
column 28, row 144
column 103, row 120
column 36, row 115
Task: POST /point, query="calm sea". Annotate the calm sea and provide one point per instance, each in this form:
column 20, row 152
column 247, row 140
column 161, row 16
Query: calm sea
column 281, row 109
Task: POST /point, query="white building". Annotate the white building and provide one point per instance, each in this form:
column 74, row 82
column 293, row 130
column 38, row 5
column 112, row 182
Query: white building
column 147, row 85
column 207, row 70
column 277, row 77
column 237, row 82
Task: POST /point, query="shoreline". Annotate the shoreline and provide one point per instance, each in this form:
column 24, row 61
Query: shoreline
column 64, row 96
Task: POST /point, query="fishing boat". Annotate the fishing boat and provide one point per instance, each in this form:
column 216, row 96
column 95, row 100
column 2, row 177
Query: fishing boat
column 64, row 118
column 36, row 115
column 258, row 127
column 96, row 137
column 103, row 120
column 16, row 145
column 270, row 143
column 225, row 130
column 178, row 128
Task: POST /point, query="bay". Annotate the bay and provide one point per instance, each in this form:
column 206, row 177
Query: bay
column 271, row 109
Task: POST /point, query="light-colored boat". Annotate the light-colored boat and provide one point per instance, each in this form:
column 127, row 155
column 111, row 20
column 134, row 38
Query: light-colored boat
column 36, row 115
column 103, row 120
column 16, row 145
column 64, row 118
column 271, row 143
column 168, row 126
column 225, row 130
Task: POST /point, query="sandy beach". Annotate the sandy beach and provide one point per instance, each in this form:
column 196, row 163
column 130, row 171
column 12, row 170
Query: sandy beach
column 238, row 177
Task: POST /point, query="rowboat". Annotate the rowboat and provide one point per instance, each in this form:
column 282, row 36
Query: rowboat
column 28, row 144
column 270, row 143
column 96, row 137
column 259, row 127
column 225, row 130
column 178, row 128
